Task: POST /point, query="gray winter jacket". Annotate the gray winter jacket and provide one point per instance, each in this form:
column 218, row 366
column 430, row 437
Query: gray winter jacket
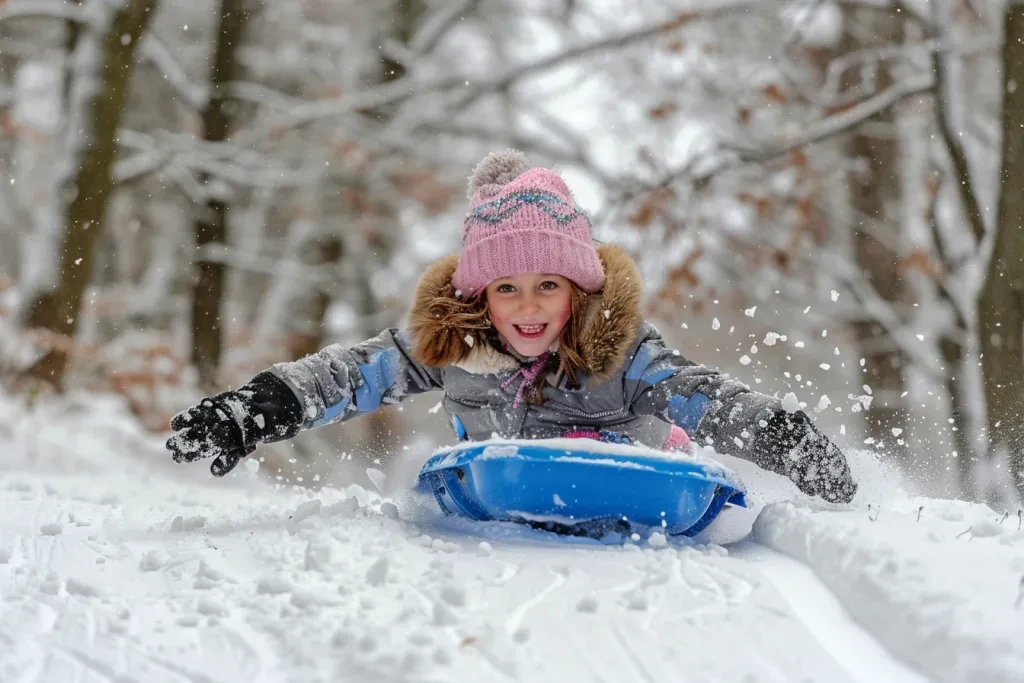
column 634, row 387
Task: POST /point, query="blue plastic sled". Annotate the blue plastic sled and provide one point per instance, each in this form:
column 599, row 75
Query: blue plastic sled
column 579, row 487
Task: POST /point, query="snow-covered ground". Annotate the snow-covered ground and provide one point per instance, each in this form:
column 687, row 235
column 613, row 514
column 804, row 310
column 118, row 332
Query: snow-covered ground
column 116, row 565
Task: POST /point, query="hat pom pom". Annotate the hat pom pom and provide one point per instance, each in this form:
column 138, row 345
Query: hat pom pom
column 497, row 168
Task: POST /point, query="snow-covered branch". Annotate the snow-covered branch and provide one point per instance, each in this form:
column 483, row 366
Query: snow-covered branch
column 396, row 92
column 154, row 50
column 438, row 24
column 727, row 156
column 831, row 126
column 906, row 52
column 41, row 9
column 945, row 116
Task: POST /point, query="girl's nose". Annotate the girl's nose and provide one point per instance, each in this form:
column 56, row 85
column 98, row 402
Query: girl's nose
column 529, row 306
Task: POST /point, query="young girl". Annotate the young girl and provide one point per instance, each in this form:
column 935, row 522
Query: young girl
column 531, row 333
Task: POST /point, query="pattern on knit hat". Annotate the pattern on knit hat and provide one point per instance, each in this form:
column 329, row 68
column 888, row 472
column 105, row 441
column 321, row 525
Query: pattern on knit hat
column 503, row 208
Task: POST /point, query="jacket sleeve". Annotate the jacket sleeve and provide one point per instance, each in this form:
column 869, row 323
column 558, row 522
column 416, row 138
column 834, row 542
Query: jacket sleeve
column 714, row 409
column 721, row 412
column 339, row 382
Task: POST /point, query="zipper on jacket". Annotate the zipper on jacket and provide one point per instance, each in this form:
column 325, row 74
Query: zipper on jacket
column 576, row 412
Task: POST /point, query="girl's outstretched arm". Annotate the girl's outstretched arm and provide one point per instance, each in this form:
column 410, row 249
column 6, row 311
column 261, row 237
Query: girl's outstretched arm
column 331, row 385
column 339, row 382
column 724, row 413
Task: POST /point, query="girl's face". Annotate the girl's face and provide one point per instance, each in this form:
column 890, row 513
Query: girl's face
column 530, row 310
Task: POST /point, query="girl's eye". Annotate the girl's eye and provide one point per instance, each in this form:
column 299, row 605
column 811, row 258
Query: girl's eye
column 506, row 289
column 549, row 285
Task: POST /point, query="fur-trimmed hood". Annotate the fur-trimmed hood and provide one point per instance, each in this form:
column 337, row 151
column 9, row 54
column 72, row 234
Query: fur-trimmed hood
column 612, row 318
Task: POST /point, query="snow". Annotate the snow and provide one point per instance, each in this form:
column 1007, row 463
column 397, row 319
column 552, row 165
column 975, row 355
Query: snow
column 944, row 604
column 163, row 573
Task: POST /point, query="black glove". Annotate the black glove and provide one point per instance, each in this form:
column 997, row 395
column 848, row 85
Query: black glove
column 792, row 446
column 228, row 426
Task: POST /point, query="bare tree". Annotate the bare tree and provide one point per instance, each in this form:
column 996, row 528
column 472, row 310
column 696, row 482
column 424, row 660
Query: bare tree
column 211, row 227
column 103, row 62
column 1001, row 308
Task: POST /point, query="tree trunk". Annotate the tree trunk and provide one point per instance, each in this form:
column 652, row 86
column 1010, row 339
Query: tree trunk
column 380, row 426
column 98, row 99
column 876, row 196
column 952, row 354
column 1001, row 308
column 211, row 228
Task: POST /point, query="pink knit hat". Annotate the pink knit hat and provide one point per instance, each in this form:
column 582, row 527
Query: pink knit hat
column 523, row 220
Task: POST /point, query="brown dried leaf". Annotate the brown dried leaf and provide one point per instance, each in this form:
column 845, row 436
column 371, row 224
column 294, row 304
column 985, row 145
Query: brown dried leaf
column 682, row 19
column 918, row 259
column 774, row 93
column 663, row 111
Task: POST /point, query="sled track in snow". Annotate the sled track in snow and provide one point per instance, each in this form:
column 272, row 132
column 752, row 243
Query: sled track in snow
column 249, row 595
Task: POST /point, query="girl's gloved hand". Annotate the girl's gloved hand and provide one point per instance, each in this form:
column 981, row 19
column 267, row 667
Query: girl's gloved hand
column 227, row 427
column 792, row 446
column 210, row 430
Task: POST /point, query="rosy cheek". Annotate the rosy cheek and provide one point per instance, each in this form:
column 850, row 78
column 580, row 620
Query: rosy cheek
column 563, row 315
column 497, row 316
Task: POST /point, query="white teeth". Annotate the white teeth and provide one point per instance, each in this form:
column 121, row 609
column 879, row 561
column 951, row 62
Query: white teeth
column 530, row 329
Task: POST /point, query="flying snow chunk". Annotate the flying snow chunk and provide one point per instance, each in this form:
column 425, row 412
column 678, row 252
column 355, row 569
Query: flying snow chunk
column 835, row 295
column 799, row 345
column 744, row 360
column 896, row 431
column 657, row 540
column 790, row 403
column 771, row 338
column 825, row 366
column 377, row 478
column 715, row 324
column 750, row 311
column 823, row 403
column 469, row 339
column 685, row 326
column 920, row 337
column 557, row 500
column 607, row 314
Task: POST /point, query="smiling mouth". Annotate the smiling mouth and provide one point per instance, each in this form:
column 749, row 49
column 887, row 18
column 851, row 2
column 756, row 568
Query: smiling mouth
column 531, row 331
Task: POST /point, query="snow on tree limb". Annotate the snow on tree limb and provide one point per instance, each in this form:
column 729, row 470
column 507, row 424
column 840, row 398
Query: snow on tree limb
column 945, row 116
column 838, row 123
column 727, row 156
column 906, row 52
column 437, row 25
column 154, row 50
column 41, row 9
column 398, row 91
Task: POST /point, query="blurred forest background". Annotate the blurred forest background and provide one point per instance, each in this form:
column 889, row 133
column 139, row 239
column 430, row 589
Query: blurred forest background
column 825, row 197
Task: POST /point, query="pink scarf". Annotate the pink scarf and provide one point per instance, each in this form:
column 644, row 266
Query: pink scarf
column 529, row 374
